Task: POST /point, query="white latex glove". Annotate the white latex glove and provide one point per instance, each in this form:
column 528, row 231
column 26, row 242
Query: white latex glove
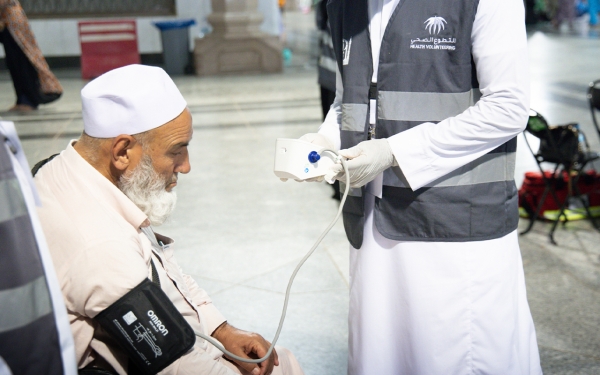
column 365, row 161
column 319, row 140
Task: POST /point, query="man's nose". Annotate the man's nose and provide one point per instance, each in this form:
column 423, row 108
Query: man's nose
column 184, row 167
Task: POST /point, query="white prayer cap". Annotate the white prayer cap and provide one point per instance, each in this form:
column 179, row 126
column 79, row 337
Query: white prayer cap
column 129, row 100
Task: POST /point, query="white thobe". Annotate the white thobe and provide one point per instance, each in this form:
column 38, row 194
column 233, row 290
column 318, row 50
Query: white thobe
column 440, row 307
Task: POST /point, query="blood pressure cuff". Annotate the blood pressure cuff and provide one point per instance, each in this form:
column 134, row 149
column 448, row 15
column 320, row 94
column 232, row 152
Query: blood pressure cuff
column 148, row 327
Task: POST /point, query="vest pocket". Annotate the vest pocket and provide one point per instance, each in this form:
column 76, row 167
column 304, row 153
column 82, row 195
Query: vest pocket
column 424, row 215
column 495, row 209
column 448, row 214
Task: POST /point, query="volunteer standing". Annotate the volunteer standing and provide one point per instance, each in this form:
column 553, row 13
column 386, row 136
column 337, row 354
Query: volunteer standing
column 436, row 278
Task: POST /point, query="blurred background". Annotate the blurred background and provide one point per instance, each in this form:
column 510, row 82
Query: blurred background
column 252, row 71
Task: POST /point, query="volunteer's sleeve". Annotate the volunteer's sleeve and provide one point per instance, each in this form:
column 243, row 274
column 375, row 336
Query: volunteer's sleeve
column 499, row 47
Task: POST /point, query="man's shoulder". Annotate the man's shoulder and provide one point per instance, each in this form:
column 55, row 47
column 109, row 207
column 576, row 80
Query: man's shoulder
column 71, row 211
column 51, row 176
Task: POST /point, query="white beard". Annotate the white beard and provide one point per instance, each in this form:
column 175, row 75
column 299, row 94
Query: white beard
column 146, row 188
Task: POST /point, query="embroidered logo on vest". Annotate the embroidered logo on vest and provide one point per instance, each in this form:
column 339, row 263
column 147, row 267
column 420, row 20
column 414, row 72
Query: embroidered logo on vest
column 346, row 46
column 434, row 25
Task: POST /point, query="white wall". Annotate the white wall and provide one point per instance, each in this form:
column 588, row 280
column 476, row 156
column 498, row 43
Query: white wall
column 59, row 37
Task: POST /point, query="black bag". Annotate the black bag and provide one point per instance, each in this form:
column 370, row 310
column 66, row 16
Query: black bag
column 560, row 144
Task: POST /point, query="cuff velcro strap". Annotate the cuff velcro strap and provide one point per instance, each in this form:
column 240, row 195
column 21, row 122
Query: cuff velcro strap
column 148, row 327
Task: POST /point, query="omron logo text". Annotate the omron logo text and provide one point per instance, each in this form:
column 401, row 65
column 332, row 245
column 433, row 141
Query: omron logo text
column 157, row 323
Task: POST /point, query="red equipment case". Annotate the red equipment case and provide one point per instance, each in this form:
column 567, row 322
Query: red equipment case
column 106, row 45
column 533, row 187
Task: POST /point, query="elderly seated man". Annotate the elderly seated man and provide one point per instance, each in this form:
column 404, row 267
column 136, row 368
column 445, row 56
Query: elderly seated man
column 131, row 308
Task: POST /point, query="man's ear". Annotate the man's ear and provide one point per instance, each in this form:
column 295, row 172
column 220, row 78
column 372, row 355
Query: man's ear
column 121, row 151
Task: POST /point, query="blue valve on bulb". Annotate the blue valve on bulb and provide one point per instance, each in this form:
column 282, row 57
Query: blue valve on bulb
column 314, row 157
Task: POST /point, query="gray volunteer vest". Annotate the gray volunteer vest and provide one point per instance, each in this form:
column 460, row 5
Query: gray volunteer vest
column 326, row 61
column 29, row 338
column 327, row 68
column 426, row 74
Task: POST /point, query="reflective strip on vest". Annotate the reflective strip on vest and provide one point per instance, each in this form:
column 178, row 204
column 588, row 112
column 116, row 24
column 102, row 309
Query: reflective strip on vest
column 492, row 167
column 327, row 63
column 421, row 106
column 24, row 305
column 12, row 204
column 353, row 117
column 326, row 39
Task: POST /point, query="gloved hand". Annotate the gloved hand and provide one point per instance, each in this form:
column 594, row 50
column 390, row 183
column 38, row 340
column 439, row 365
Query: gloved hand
column 319, row 140
column 365, row 161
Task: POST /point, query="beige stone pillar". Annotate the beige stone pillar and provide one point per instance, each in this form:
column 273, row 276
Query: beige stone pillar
column 236, row 44
column 291, row 5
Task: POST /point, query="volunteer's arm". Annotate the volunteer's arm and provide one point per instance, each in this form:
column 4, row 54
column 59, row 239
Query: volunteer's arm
column 430, row 151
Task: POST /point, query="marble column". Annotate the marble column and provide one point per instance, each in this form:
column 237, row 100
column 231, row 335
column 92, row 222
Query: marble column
column 236, row 44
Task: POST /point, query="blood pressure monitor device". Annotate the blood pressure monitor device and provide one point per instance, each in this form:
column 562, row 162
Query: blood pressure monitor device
column 148, row 327
column 301, row 160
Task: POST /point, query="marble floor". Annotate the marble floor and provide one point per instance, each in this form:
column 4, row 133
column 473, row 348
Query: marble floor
column 240, row 231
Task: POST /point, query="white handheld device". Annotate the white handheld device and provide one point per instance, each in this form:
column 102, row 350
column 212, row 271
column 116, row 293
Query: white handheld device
column 301, row 160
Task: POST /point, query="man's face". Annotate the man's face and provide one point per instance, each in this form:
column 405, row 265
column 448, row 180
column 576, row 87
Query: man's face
column 153, row 172
column 168, row 148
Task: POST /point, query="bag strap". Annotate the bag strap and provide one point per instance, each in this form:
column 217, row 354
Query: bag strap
column 152, row 237
column 155, row 278
column 40, row 164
